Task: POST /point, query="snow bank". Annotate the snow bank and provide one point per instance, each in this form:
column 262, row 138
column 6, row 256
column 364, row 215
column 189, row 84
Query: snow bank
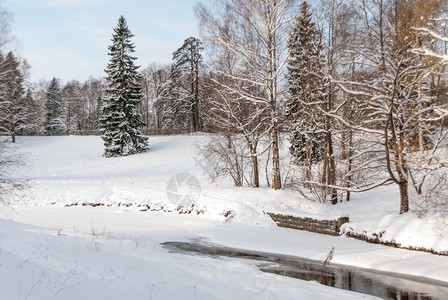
column 404, row 231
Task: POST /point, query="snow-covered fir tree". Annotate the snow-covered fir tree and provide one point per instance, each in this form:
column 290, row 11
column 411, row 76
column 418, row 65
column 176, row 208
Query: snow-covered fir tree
column 12, row 109
column 305, row 89
column 54, row 108
column 120, row 123
column 29, row 111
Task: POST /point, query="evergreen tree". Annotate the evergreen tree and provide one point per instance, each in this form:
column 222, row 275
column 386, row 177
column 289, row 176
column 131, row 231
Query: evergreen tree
column 29, row 121
column 12, row 110
column 120, row 124
column 185, row 78
column 305, row 89
column 55, row 112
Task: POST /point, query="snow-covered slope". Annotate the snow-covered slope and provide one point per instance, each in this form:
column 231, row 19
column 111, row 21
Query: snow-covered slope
column 51, row 251
column 69, row 170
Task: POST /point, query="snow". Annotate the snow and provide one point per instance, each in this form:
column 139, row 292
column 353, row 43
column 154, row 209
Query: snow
column 49, row 251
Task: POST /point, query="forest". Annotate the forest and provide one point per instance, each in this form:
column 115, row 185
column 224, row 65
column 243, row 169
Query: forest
column 356, row 88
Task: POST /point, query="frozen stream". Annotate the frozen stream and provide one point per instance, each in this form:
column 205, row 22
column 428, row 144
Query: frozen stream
column 381, row 284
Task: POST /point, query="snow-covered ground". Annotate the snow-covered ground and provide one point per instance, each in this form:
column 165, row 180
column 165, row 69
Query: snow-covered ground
column 49, row 251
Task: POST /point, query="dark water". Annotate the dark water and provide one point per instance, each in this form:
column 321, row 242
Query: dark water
column 385, row 285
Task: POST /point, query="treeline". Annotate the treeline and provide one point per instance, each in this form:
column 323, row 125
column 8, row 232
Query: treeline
column 358, row 88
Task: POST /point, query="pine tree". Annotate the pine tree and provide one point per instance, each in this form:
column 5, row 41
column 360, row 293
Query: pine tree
column 185, row 77
column 305, row 89
column 120, row 124
column 55, row 112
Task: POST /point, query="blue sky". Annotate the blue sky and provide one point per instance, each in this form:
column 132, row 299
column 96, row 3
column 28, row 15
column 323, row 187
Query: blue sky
column 68, row 39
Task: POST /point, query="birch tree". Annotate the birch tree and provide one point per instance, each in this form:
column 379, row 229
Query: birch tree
column 241, row 122
column 259, row 45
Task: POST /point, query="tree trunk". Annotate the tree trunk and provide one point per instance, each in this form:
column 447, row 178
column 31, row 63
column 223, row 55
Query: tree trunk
column 309, row 157
column 332, row 170
column 254, row 157
column 404, row 196
column 266, row 169
column 276, row 179
column 193, row 100
column 350, row 162
column 198, row 124
column 324, row 169
column 271, row 23
column 13, row 132
column 421, row 146
column 192, row 94
column 255, row 170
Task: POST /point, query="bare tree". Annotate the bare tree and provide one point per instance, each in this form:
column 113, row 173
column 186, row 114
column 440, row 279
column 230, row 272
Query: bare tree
column 242, row 123
column 153, row 76
column 260, row 49
column 225, row 156
column 11, row 92
column 73, row 100
column 5, row 28
column 236, row 117
column 10, row 160
column 92, row 91
column 390, row 93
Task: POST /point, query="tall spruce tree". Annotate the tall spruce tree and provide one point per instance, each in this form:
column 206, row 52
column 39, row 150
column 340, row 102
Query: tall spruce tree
column 120, row 123
column 306, row 85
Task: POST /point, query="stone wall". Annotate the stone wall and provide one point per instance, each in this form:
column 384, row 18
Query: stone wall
column 309, row 224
